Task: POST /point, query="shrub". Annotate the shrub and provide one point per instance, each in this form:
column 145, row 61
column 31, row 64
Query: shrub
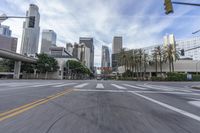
column 176, row 77
column 196, row 77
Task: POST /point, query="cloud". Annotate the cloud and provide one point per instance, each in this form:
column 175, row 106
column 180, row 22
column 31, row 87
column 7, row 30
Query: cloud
column 141, row 23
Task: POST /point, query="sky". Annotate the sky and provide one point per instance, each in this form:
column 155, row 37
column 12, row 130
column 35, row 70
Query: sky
column 141, row 23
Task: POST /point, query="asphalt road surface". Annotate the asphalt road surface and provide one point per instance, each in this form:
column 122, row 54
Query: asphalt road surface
column 91, row 106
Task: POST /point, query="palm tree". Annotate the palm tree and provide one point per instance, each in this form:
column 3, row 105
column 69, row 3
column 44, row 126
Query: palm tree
column 159, row 54
column 140, row 54
column 124, row 59
column 135, row 55
column 171, row 55
column 155, row 59
column 145, row 61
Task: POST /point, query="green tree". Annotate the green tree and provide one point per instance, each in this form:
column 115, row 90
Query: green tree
column 27, row 67
column 77, row 70
column 158, row 56
column 170, row 56
column 46, row 64
column 7, row 65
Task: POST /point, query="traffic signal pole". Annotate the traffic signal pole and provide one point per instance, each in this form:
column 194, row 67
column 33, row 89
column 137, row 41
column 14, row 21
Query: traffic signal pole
column 169, row 5
column 184, row 3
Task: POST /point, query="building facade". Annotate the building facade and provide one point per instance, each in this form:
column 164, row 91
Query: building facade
column 69, row 48
column 191, row 47
column 8, row 43
column 48, row 40
column 89, row 44
column 82, row 53
column 117, row 44
column 31, row 32
column 116, row 49
column 59, row 52
column 105, row 57
column 5, row 30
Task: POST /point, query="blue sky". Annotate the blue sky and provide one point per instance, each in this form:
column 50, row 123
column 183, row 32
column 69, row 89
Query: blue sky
column 140, row 22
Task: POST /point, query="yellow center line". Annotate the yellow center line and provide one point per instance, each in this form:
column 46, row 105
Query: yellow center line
column 19, row 110
column 29, row 104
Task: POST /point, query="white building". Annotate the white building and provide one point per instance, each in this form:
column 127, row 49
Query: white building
column 84, row 55
column 190, row 46
column 48, row 40
column 5, row 30
column 88, row 41
column 31, row 32
column 69, row 48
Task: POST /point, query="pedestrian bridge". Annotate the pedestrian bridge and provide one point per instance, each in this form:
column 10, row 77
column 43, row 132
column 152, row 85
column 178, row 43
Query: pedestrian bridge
column 15, row 56
column 18, row 59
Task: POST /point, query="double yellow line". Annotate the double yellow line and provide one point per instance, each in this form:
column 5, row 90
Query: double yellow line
column 21, row 109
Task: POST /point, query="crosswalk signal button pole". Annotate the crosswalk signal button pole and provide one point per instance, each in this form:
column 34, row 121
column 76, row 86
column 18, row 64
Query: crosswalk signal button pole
column 168, row 7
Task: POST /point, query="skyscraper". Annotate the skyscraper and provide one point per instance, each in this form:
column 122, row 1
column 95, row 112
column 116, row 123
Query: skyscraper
column 31, row 31
column 48, row 40
column 88, row 43
column 105, row 57
column 116, row 49
column 117, row 44
column 5, row 30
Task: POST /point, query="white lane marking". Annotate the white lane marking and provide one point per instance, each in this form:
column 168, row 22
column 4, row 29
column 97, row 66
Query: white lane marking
column 195, row 103
column 117, row 86
column 166, row 88
column 193, row 116
column 65, row 84
column 81, row 85
column 132, row 86
column 92, row 90
column 100, row 86
column 45, row 84
column 155, row 88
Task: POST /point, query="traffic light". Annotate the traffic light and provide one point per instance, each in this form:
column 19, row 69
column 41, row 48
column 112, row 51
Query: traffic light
column 168, row 7
column 182, row 52
column 31, row 23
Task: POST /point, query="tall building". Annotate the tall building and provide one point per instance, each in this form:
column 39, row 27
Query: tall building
column 31, row 32
column 82, row 53
column 5, row 30
column 8, row 43
column 105, row 57
column 89, row 44
column 117, row 44
column 48, row 40
column 116, row 49
column 69, row 48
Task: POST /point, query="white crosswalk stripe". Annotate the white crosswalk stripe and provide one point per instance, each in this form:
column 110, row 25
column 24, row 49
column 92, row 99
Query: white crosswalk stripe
column 64, row 84
column 100, row 86
column 45, row 84
column 81, row 85
column 132, row 86
column 117, row 86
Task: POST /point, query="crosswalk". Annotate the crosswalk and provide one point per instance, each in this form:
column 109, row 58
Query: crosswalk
column 88, row 85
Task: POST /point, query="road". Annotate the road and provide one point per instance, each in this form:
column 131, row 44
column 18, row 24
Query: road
column 91, row 106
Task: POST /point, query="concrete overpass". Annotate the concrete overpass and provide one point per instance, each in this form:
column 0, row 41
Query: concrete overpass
column 18, row 59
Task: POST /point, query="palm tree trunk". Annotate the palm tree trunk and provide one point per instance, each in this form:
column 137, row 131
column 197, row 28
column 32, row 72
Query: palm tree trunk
column 156, row 67
column 172, row 66
column 160, row 65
